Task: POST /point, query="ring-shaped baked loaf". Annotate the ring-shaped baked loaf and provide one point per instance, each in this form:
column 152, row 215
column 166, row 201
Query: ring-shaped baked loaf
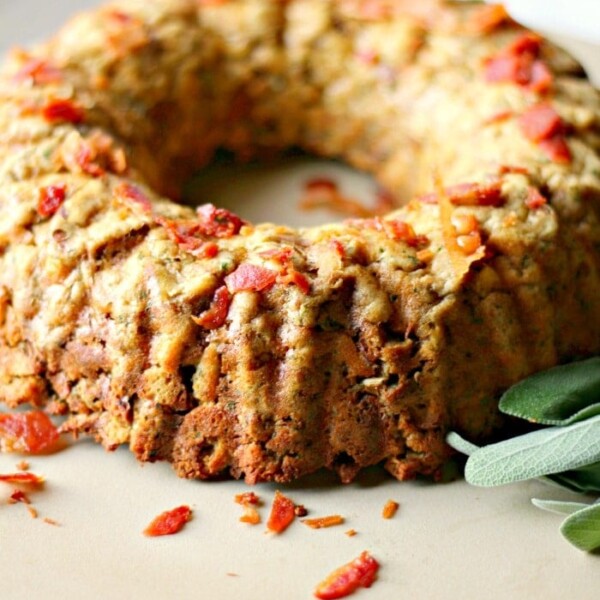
column 262, row 351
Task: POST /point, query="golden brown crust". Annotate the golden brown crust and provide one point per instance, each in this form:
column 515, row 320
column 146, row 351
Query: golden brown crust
column 367, row 340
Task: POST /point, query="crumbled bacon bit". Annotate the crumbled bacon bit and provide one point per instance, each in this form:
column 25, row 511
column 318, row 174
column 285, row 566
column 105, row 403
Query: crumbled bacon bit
column 281, row 255
column 51, row 199
column 324, row 192
column 390, row 509
column 350, row 532
column 19, row 496
column 470, row 194
column 169, row 522
column 29, row 432
column 247, row 498
column 361, row 572
column 519, row 63
column 93, row 155
column 216, row 315
column 63, row 111
column 39, row 71
column 22, row 478
column 291, row 276
column 33, row 513
column 185, row 234
column 394, row 229
column 132, row 193
column 50, row 521
column 498, row 117
column 542, row 125
column 487, row 19
column 512, row 169
column 339, row 248
column 322, row 522
column 282, row 514
column 218, row 222
column 249, row 277
column 23, row 465
column 535, row 199
column 300, row 510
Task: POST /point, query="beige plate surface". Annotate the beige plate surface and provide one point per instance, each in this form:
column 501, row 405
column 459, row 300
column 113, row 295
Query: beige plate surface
column 447, row 541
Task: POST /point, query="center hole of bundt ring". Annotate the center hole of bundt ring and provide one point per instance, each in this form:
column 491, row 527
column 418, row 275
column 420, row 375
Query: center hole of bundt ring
column 277, row 192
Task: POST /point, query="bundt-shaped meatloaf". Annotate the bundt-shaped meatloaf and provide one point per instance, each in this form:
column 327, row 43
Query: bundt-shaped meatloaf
column 261, row 351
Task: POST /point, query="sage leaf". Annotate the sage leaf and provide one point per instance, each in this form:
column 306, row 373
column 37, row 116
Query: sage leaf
column 582, row 528
column 542, row 452
column 559, row 396
column 456, row 441
column 585, row 480
column 556, row 506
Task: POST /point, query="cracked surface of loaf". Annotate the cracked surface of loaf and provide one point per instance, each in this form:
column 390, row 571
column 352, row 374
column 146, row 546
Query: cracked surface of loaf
column 264, row 352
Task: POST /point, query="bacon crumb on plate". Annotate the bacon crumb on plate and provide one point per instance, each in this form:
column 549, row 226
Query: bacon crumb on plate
column 390, row 509
column 23, row 478
column 30, row 432
column 351, row 532
column 322, row 522
column 282, row 513
column 361, row 572
column 169, row 522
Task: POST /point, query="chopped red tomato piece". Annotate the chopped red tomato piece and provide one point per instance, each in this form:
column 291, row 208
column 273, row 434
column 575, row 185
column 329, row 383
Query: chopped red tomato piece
column 29, row 432
column 361, row 572
column 282, row 513
column 322, row 522
column 23, row 478
column 63, row 111
column 535, row 199
column 51, row 199
column 250, row 278
column 39, row 71
column 218, row 222
column 169, row 522
column 128, row 191
column 216, row 315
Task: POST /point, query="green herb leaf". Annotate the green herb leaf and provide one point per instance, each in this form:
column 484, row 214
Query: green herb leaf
column 582, row 528
column 456, row 441
column 559, row 396
column 551, row 450
column 556, row 506
column 585, row 480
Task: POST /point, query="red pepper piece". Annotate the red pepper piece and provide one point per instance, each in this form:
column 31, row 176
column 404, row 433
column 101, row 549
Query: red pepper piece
column 361, row 572
column 540, row 122
column 128, row 191
column 23, row 478
column 248, row 277
column 51, row 199
column 29, row 432
column 63, row 111
column 169, row 522
column 216, row 315
column 282, row 513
